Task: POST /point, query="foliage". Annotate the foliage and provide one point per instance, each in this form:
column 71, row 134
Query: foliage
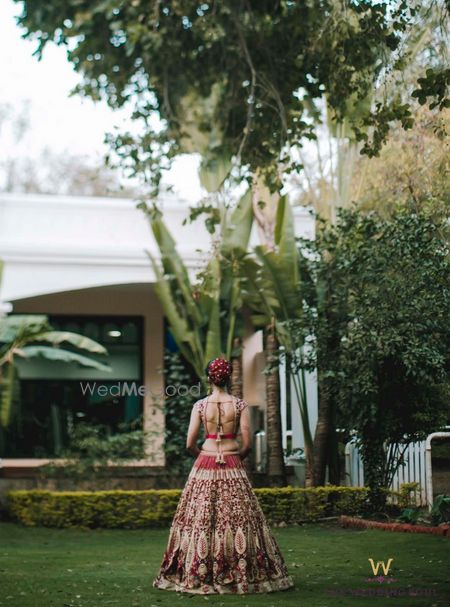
column 377, row 305
column 92, row 447
column 261, row 65
column 440, row 512
column 177, row 409
column 156, row 507
column 27, row 336
column 413, row 169
column 203, row 317
column 406, row 495
column 409, row 515
column 272, row 291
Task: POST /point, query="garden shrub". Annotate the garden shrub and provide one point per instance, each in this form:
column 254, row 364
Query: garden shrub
column 156, row 507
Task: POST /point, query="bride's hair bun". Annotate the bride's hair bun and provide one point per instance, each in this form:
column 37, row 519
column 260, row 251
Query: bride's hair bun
column 219, row 371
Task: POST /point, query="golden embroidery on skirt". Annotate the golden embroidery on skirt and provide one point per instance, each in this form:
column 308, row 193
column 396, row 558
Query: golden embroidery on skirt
column 185, row 542
column 217, row 542
column 202, row 545
column 190, row 552
column 239, row 541
column 220, row 540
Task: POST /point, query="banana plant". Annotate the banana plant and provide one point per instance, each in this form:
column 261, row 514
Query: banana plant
column 203, row 315
column 26, row 336
column 272, row 292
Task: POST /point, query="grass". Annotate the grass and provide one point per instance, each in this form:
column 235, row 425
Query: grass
column 95, row 568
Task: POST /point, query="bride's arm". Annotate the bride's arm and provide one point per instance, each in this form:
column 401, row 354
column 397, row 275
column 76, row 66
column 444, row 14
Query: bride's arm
column 246, row 435
column 192, row 433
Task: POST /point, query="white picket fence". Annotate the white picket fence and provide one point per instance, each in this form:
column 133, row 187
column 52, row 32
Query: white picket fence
column 416, row 468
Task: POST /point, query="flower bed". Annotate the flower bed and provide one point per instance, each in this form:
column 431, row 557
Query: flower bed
column 353, row 521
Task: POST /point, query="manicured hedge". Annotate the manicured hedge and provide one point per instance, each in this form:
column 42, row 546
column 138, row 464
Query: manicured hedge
column 156, row 507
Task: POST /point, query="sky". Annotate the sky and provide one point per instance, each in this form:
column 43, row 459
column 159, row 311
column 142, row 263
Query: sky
column 59, row 122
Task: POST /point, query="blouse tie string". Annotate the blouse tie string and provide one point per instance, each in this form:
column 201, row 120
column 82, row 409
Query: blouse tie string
column 219, row 456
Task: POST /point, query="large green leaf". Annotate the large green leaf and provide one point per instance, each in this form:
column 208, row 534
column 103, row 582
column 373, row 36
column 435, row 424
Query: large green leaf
column 289, row 304
column 8, row 391
column 173, row 265
column 25, row 325
column 288, row 257
column 213, row 172
column 258, row 292
column 178, row 323
column 61, row 355
column 236, row 233
column 187, row 340
column 214, row 336
column 235, row 303
column 79, row 341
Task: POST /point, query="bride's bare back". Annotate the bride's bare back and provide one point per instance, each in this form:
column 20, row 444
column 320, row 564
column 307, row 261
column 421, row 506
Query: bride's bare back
column 228, row 419
column 234, row 419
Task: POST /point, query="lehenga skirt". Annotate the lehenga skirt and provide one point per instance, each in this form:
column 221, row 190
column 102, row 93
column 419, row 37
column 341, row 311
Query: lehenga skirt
column 219, row 541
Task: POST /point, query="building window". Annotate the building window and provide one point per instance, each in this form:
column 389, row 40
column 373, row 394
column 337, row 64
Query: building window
column 53, row 396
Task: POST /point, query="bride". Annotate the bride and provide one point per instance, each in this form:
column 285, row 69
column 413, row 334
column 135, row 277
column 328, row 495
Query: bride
column 219, row 541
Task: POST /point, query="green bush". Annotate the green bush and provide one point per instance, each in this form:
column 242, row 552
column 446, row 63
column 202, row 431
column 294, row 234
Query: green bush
column 440, row 512
column 156, row 507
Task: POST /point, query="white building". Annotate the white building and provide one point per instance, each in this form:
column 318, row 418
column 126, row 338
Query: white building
column 82, row 262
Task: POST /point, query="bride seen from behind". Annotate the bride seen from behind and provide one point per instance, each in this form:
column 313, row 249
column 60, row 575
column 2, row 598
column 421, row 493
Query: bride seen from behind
column 219, row 540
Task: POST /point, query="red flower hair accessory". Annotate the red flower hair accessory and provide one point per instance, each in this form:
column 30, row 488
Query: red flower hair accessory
column 219, row 370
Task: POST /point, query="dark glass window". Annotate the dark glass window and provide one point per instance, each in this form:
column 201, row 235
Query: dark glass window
column 55, row 395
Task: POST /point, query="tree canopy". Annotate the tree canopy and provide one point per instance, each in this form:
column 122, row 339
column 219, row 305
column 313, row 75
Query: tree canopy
column 377, row 295
column 261, row 66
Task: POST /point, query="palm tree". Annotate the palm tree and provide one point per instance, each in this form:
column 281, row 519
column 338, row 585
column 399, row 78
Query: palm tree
column 276, row 470
column 272, row 292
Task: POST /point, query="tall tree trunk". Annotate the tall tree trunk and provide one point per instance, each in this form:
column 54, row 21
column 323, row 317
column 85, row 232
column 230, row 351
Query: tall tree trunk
column 322, row 433
column 275, row 470
column 333, row 460
column 236, row 362
column 374, row 461
column 324, row 437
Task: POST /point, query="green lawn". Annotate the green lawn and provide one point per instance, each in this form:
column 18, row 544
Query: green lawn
column 78, row 568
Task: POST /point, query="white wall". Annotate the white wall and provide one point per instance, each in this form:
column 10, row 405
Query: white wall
column 60, row 243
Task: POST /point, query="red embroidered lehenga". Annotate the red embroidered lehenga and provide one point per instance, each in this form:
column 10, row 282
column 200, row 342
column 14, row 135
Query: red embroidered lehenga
column 219, row 541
